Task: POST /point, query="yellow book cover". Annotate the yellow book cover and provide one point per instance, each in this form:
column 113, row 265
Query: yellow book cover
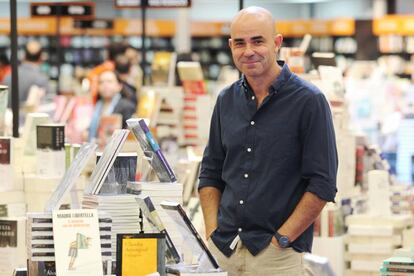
column 141, row 254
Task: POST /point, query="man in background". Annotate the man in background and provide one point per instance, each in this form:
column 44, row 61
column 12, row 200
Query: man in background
column 30, row 73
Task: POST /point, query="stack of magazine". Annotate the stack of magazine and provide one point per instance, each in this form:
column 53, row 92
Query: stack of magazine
column 40, row 243
column 123, row 210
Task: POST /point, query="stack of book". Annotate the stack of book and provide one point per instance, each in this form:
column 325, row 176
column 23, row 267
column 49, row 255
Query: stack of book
column 371, row 239
column 123, row 209
column 402, row 199
column 12, row 244
column 41, row 246
column 12, row 200
column 401, row 263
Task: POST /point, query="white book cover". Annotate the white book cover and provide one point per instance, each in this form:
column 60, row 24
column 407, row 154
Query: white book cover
column 77, row 243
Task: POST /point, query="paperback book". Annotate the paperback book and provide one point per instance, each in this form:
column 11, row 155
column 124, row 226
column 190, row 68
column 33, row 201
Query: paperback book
column 77, row 242
column 140, row 254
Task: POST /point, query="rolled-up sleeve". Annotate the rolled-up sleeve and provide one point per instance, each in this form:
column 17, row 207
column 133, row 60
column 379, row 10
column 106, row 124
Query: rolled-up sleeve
column 319, row 156
column 213, row 158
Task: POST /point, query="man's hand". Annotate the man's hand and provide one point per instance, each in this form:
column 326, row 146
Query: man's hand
column 210, row 200
column 275, row 243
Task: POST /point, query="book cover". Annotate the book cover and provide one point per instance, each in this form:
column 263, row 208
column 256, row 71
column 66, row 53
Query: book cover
column 152, row 150
column 6, row 164
column 140, row 254
column 8, row 233
column 149, row 105
column 151, row 214
column 50, row 153
column 107, row 125
column 77, row 242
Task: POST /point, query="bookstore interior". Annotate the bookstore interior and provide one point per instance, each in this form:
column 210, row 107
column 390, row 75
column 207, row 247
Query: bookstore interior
column 105, row 110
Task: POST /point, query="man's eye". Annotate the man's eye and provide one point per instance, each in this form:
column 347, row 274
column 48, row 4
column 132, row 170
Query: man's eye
column 258, row 42
column 239, row 43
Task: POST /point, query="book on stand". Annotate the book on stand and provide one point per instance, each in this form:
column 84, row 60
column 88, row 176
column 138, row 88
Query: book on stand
column 71, row 175
column 151, row 214
column 207, row 262
column 152, row 150
column 105, row 163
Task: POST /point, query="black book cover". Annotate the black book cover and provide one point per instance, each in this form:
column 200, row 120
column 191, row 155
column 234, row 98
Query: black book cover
column 51, row 136
column 8, row 233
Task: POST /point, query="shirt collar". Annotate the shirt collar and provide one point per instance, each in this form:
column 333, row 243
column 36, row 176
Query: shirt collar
column 277, row 84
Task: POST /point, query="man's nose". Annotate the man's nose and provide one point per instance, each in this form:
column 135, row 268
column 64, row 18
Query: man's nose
column 248, row 50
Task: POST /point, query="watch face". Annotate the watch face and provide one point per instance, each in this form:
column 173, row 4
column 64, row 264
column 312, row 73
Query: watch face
column 284, row 241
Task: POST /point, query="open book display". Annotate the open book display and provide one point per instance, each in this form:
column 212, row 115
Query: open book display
column 106, row 161
column 152, row 150
column 70, row 177
column 207, row 263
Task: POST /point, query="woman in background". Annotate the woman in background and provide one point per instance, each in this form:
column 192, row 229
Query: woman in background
column 110, row 101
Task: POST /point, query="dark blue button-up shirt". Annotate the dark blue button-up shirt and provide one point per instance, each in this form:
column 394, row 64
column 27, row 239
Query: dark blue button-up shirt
column 264, row 159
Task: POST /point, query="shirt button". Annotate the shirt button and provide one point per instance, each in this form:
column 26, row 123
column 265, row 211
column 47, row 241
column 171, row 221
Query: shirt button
column 246, row 175
column 239, row 229
column 241, row 202
column 252, row 123
column 253, row 98
column 249, row 149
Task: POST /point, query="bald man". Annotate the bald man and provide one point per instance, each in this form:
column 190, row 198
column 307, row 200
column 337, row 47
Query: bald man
column 30, row 72
column 270, row 163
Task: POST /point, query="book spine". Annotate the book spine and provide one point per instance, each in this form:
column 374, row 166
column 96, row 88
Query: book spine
column 156, row 148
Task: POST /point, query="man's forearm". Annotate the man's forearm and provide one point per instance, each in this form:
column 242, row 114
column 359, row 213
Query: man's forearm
column 210, row 200
column 305, row 213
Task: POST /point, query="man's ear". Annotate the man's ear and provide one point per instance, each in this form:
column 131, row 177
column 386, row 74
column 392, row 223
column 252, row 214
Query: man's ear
column 230, row 42
column 278, row 39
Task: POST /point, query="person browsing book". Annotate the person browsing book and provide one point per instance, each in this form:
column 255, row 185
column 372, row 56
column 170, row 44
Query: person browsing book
column 110, row 101
column 270, row 163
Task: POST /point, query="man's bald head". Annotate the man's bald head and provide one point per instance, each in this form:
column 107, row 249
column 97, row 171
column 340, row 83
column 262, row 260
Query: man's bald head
column 258, row 13
column 33, row 51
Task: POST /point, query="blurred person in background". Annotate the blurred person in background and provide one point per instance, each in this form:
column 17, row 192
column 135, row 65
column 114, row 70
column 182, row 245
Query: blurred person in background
column 5, row 68
column 110, row 101
column 122, row 68
column 114, row 50
column 30, row 73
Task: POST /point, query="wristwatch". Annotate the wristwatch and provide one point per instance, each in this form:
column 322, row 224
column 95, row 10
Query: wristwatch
column 282, row 240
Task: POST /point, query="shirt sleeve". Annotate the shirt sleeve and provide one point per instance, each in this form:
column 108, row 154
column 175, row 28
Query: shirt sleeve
column 319, row 158
column 213, row 158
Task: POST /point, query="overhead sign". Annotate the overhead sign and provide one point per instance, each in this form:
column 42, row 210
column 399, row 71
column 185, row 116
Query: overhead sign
column 102, row 24
column 84, row 10
column 152, row 3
